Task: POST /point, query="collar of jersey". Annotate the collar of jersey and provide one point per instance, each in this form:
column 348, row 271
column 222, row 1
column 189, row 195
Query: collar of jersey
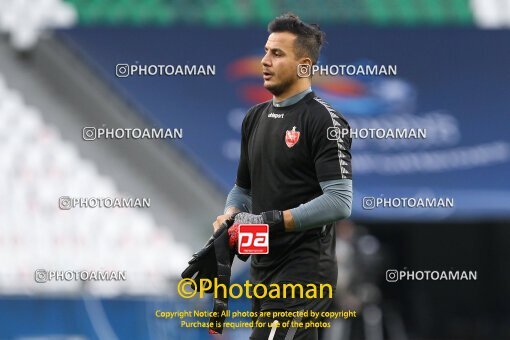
column 292, row 100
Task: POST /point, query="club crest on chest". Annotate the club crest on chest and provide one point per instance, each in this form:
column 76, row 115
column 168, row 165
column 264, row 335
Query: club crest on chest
column 292, row 137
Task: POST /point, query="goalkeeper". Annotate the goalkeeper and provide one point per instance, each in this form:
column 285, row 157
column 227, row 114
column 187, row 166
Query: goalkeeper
column 294, row 174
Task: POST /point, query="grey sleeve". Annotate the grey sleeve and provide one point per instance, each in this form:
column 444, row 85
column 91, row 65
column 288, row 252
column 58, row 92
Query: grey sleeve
column 334, row 204
column 240, row 198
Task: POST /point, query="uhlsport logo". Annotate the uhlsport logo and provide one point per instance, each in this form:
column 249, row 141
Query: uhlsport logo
column 275, row 115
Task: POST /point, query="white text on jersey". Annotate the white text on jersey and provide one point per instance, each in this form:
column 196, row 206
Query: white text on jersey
column 275, row 115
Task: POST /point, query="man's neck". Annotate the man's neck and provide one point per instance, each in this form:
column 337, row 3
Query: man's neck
column 292, row 99
column 300, row 87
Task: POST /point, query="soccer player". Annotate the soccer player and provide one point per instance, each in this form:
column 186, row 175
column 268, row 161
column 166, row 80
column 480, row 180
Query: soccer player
column 294, row 175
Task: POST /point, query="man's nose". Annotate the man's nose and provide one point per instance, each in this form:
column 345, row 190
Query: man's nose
column 266, row 61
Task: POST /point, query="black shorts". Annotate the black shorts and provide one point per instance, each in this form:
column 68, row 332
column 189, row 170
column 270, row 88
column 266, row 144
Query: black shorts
column 273, row 329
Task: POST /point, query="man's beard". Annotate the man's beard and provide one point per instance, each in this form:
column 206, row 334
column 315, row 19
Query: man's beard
column 280, row 88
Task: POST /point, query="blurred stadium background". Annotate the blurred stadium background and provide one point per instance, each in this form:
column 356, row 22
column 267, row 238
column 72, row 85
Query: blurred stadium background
column 58, row 75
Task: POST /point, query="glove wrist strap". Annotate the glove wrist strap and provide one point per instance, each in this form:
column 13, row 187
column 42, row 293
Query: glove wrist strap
column 274, row 219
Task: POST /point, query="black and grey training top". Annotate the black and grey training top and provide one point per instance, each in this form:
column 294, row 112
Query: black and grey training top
column 286, row 152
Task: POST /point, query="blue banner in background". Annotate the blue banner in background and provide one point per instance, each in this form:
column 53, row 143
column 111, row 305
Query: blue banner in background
column 453, row 84
column 87, row 317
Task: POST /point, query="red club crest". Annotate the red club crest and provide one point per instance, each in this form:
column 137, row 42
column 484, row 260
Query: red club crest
column 291, row 137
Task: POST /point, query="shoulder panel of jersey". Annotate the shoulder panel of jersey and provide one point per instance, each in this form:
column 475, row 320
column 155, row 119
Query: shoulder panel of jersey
column 325, row 115
column 319, row 105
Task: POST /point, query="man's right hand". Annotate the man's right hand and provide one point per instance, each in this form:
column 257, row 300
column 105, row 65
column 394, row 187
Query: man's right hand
column 222, row 218
column 233, row 231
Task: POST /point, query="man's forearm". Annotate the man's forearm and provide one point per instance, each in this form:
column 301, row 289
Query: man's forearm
column 288, row 220
column 333, row 205
column 238, row 200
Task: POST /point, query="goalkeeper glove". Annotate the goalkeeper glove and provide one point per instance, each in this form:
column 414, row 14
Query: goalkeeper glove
column 273, row 218
column 204, row 263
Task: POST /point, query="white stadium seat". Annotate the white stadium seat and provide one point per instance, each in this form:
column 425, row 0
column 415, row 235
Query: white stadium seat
column 36, row 168
column 25, row 20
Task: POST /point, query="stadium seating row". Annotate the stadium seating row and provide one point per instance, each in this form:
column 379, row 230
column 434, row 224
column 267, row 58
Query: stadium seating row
column 25, row 20
column 261, row 11
column 36, row 168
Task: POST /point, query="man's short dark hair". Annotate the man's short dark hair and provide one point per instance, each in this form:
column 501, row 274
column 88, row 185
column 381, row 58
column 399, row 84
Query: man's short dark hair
column 309, row 37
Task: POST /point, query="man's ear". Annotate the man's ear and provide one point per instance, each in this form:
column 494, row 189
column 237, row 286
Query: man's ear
column 306, row 60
